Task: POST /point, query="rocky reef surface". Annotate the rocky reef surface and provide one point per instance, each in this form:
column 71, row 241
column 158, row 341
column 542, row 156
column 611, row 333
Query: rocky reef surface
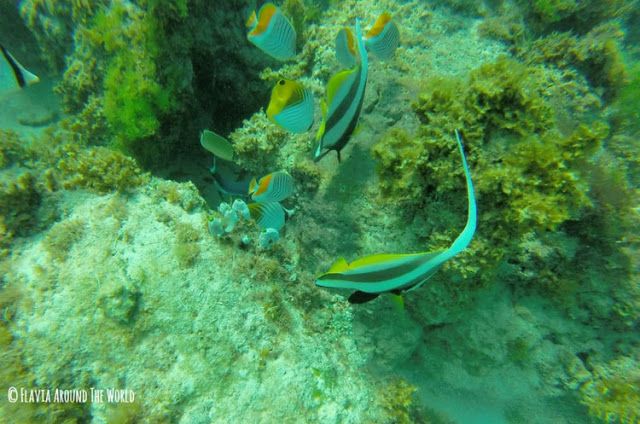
column 109, row 277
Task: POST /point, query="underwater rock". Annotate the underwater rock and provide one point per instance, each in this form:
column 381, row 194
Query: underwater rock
column 169, row 328
column 38, row 118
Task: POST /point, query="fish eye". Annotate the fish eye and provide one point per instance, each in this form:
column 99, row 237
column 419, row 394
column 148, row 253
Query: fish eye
column 281, row 82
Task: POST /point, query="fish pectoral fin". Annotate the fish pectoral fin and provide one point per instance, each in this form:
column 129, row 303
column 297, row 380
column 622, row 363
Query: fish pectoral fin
column 362, row 297
column 397, row 299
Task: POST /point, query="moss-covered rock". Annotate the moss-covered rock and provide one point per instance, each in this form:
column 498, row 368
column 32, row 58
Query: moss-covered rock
column 99, row 169
column 531, row 177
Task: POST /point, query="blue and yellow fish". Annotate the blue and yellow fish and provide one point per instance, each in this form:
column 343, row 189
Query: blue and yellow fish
column 271, row 32
column 343, row 103
column 373, row 275
column 346, row 52
column 268, row 214
column 291, row 106
column 274, row 187
column 383, row 38
column 13, row 76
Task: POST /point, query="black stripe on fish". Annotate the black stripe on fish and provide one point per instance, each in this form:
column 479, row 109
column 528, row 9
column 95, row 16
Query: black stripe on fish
column 382, row 275
column 342, row 141
column 17, row 73
column 340, row 110
column 343, row 107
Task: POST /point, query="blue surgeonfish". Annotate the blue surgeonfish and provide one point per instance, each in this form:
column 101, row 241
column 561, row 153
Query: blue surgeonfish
column 373, row 275
column 274, row 187
column 291, row 106
column 13, row 76
column 383, row 38
column 343, row 103
column 271, row 32
column 346, row 48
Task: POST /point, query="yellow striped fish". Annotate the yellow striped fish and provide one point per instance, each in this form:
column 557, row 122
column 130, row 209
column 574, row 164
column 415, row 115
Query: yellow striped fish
column 383, row 38
column 373, row 275
column 13, row 76
column 343, row 103
column 268, row 215
column 274, row 187
column 291, row 106
column 272, row 32
column 346, row 48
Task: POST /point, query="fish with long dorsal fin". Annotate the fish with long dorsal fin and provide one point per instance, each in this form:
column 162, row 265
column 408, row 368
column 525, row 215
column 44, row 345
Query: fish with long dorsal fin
column 373, row 275
column 342, row 104
column 13, row 76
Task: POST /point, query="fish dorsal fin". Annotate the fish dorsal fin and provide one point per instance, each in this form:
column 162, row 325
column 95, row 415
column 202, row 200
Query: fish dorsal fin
column 340, row 265
column 346, row 51
column 381, row 258
column 252, row 20
column 323, row 108
column 263, row 184
column 264, row 16
column 335, row 83
column 379, row 25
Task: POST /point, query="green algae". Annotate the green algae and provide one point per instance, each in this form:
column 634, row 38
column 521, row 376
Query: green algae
column 613, row 395
column 62, row 236
column 99, row 169
column 186, row 248
column 532, row 178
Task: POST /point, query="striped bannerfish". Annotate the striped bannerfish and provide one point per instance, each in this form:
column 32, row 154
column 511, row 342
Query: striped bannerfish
column 274, row 187
column 268, row 215
column 373, row 275
column 272, row 32
column 343, row 103
column 291, row 106
column 383, row 38
column 346, row 48
column 13, row 76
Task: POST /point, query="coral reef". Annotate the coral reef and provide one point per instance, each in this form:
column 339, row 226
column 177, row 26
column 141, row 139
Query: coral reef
column 257, row 144
column 596, row 55
column 136, row 288
column 613, row 395
column 532, row 176
column 61, row 238
column 99, row 169
column 546, row 15
column 538, row 317
column 138, row 64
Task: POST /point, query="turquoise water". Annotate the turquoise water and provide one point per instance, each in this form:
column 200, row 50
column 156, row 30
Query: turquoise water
column 299, row 262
